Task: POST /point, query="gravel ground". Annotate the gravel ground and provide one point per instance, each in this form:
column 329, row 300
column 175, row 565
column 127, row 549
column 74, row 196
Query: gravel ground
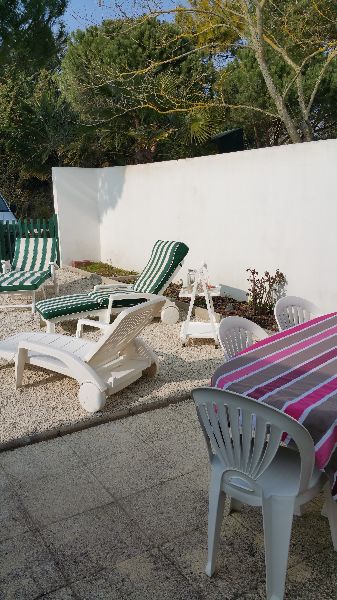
column 47, row 403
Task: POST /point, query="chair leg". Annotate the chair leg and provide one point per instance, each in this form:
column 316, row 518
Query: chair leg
column 20, row 361
column 215, row 514
column 331, row 510
column 277, row 522
column 33, row 303
column 50, row 327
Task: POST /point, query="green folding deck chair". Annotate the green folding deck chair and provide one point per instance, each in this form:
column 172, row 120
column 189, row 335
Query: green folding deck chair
column 165, row 260
column 34, row 262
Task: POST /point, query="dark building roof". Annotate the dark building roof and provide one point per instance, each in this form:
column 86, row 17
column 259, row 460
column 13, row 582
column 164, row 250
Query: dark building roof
column 229, row 141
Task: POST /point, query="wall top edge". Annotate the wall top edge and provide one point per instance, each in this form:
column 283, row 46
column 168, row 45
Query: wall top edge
column 230, row 156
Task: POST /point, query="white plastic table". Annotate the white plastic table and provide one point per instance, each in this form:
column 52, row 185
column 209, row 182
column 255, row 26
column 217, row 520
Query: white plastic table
column 200, row 329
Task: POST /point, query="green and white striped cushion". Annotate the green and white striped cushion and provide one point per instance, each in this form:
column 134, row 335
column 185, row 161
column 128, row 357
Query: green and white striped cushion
column 22, row 280
column 34, row 254
column 61, row 306
column 102, row 296
column 165, row 258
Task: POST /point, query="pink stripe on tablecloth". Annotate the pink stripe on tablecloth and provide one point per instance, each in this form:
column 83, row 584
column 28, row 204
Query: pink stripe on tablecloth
column 296, row 409
column 293, row 374
column 323, row 453
column 264, row 362
column 286, row 332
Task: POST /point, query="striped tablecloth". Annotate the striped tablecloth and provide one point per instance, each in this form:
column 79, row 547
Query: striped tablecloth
column 295, row 371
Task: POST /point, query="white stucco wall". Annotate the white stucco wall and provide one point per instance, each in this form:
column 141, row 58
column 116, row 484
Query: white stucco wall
column 269, row 208
column 75, row 199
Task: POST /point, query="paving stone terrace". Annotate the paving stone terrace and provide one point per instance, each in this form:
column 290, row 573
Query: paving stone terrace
column 119, row 512
column 48, row 403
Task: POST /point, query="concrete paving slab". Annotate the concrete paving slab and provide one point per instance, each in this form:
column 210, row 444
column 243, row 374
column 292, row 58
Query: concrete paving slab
column 61, row 594
column 124, row 475
column 57, row 497
column 172, row 508
column 314, row 578
column 158, row 425
column 240, row 564
column 102, row 442
column 13, row 518
column 39, row 460
column 94, row 540
column 310, row 532
column 27, row 568
column 149, row 576
column 183, row 452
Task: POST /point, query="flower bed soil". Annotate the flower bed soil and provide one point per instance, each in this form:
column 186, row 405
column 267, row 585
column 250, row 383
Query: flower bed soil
column 227, row 306
column 223, row 305
column 103, row 269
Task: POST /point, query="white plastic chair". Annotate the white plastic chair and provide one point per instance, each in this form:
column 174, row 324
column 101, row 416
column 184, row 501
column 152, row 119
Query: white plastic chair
column 292, row 310
column 237, row 333
column 102, row 368
column 249, row 465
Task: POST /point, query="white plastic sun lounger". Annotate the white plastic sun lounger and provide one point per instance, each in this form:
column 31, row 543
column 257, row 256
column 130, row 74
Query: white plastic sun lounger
column 165, row 260
column 101, row 368
column 34, row 263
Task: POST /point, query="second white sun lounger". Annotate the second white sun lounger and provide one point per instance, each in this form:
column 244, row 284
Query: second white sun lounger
column 101, row 368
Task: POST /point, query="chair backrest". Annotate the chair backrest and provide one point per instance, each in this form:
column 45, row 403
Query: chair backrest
column 292, row 310
column 166, row 257
column 34, row 254
column 237, row 333
column 245, row 435
column 123, row 330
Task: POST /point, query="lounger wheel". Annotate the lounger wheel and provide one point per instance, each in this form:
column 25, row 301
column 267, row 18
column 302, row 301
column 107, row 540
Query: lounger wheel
column 170, row 314
column 91, row 398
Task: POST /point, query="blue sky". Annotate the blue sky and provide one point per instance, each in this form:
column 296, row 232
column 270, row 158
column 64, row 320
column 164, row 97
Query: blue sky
column 82, row 13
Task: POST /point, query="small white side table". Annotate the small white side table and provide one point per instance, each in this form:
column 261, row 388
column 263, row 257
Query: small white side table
column 200, row 329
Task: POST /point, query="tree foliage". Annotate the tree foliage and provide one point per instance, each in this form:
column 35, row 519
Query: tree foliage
column 110, row 78
column 294, row 46
column 31, row 33
column 34, row 120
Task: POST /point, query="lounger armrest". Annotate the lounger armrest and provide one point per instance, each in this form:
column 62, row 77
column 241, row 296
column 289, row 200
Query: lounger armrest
column 107, row 286
column 80, row 370
column 130, row 296
column 5, row 266
column 89, row 323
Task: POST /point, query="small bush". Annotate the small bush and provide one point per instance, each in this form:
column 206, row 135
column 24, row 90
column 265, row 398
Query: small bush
column 264, row 291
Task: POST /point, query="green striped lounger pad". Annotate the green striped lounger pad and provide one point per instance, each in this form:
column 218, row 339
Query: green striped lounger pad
column 22, row 280
column 61, row 306
column 165, row 257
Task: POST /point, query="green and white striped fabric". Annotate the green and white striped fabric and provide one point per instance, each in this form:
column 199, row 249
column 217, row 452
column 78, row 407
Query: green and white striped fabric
column 81, row 303
column 30, row 266
column 165, row 258
column 34, row 254
column 66, row 305
column 22, row 280
column 102, row 296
